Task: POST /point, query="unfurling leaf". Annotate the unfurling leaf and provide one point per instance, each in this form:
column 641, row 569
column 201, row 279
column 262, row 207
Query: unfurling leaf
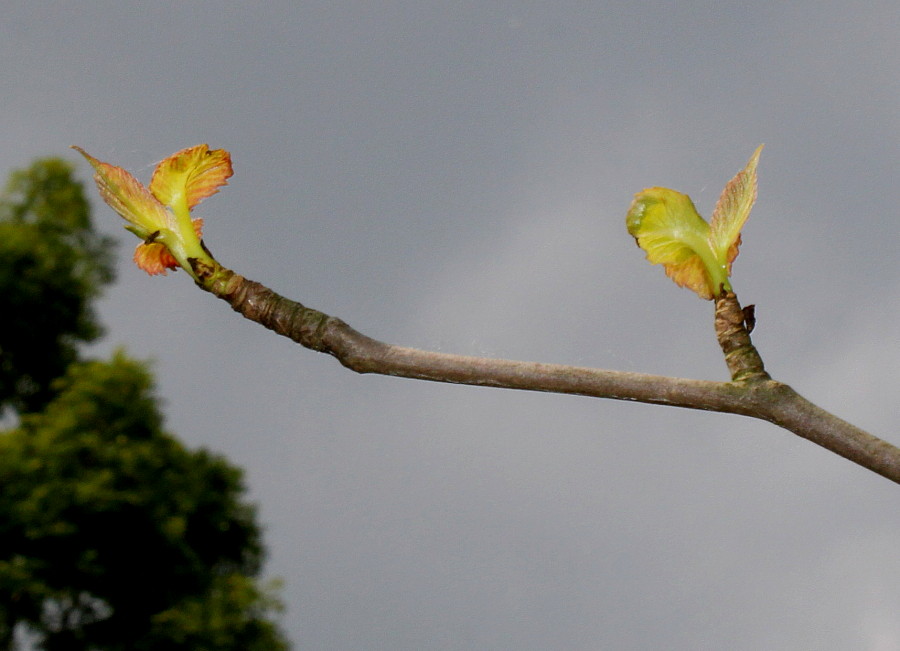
column 733, row 208
column 128, row 197
column 693, row 253
column 666, row 225
column 191, row 174
column 161, row 215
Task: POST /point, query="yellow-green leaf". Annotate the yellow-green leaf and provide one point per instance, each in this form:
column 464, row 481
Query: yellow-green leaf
column 666, row 225
column 693, row 253
column 732, row 211
column 187, row 177
column 128, row 197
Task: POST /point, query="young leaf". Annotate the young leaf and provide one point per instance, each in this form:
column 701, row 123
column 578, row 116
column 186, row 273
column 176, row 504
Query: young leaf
column 191, row 174
column 666, row 225
column 732, row 211
column 128, row 197
column 693, row 253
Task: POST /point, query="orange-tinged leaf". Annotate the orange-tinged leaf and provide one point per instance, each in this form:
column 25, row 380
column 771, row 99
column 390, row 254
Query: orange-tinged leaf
column 128, row 197
column 690, row 274
column 191, row 175
column 732, row 210
column 154, row 258
column 667, row 227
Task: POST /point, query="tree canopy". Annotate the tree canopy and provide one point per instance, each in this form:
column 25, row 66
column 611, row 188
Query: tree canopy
column 52, row 265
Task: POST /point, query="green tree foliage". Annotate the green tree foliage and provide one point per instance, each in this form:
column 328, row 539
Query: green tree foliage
column 52, row 264
column 111, row 532
column 233, row 614
column 113, row 535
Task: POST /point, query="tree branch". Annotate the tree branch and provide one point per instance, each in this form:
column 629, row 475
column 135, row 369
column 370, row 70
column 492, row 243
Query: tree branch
column 750, row 393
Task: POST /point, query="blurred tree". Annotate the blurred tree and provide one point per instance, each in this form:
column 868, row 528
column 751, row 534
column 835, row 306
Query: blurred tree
column 232, row 615
column 52, row 264
column 113, row 535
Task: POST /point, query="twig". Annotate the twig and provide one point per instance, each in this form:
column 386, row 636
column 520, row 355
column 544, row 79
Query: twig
column 750, row 393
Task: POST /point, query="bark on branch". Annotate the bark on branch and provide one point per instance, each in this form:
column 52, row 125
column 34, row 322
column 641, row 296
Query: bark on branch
column 750, row 393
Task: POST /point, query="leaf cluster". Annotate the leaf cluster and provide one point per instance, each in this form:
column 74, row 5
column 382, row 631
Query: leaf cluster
column 695, row 254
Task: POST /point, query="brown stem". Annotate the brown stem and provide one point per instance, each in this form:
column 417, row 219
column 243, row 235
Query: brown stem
column 741, row 356
column 752, row 393
column 788, row 409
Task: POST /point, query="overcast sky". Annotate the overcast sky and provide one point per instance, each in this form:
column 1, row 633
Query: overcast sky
column 455, row 176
